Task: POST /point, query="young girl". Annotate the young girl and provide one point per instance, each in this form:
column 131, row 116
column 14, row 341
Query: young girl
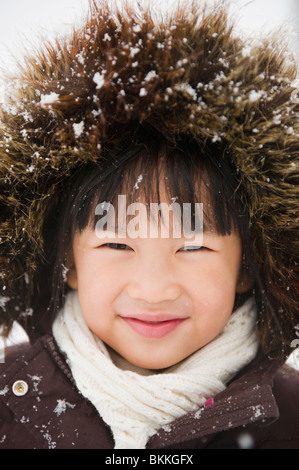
column 149, row 205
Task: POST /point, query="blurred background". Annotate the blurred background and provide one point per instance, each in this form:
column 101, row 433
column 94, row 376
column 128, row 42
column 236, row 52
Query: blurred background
column 24, row 24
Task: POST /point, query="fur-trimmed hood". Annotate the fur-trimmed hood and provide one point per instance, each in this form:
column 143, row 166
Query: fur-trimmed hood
column 189, row 75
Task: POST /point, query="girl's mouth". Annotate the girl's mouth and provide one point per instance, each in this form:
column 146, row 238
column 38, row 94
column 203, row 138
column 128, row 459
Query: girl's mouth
column 153, row 329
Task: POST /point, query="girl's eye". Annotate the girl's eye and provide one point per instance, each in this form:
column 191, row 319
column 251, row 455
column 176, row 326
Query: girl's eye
column 116, row 246
column 192, row 248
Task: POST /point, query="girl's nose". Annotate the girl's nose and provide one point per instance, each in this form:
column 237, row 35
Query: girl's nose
column 154, row 282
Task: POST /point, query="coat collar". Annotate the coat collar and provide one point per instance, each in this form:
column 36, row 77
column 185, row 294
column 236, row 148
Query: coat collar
column 247, row 399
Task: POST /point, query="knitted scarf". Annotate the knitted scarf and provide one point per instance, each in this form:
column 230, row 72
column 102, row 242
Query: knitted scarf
column 135, row 402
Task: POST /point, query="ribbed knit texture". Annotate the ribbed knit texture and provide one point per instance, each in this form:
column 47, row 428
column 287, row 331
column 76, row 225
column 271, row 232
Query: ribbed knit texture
column 135, row 402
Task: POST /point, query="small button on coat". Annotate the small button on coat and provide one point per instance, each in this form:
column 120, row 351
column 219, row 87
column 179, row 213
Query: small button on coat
column 20, row 388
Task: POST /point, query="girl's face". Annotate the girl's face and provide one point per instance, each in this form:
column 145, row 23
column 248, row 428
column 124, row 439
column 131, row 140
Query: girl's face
column 156, row 300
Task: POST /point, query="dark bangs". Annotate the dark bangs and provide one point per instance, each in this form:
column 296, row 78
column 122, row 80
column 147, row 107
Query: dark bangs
column 187, row 173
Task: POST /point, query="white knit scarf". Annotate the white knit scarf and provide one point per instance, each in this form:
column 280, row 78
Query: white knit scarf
column 135, row 402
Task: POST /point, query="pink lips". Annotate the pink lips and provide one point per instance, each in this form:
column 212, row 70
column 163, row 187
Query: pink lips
column 153, row 327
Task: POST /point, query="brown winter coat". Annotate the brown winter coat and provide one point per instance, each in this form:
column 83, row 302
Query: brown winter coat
column 259, row 409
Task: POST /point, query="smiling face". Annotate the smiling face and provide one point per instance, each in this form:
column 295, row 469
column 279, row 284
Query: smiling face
column 156, row 300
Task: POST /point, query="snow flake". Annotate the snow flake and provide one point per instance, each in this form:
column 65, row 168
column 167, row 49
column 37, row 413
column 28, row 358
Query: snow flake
column 186, row 88
column 51, row 444
column 180, row 63
column 98, row 78
column 4, row 391
column 216, row 138
column 106, row 37
column 139, row 179
column 166, row 428
column 30, row 168
column 36, row 379
column 143, row 92
column 224, row 62
column 47, row 100
column 65, row 270
column 134, row 51
column 62, row 406
column 197, row 415
column 80, row 58
column 150, row 76
column 28, row 313
column 24, row 420
column 255, row 95
column 78, row 128
column 277, row 119
column 3, row 301
column 258, row 411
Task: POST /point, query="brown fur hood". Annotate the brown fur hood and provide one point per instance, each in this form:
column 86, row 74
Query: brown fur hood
column 188, row 74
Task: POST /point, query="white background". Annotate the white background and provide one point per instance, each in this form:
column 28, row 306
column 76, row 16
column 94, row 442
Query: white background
column 24, row 22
